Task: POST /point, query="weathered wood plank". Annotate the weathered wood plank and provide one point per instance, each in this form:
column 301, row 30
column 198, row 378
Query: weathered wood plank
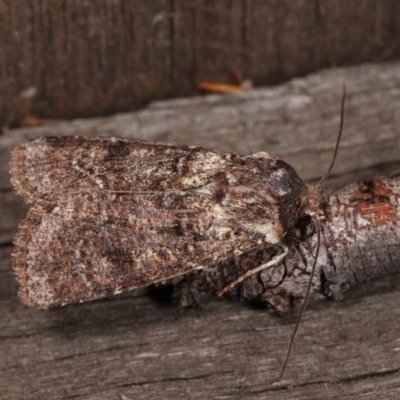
column 143, row 350
column 104, row 56
column 134, row 347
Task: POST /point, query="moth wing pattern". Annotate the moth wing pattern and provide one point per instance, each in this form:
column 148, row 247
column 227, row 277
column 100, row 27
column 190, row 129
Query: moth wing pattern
column 99, row 244
column 50, row 166
column 111, row 215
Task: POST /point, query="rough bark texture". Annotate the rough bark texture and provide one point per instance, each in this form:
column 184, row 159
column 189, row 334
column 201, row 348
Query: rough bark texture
column 89, row 58
column 133, row 347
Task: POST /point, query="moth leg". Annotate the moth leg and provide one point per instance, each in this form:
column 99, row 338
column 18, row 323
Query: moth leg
column 275, row 260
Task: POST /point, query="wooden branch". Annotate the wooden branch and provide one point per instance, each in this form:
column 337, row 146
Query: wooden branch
column 131, row 346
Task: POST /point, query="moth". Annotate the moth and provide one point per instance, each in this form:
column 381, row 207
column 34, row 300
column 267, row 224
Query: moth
column 109, row 215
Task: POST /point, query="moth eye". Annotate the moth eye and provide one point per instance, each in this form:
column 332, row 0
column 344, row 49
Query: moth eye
column 303, row 223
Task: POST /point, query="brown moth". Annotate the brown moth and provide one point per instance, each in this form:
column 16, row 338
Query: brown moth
column 110, row 215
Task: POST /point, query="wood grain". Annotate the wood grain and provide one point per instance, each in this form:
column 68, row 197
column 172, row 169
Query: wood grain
column 139, row 346
column 106, row 56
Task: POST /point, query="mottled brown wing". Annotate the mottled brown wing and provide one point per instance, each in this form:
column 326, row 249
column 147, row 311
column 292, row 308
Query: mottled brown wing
column 114, row 214
column 47, row 166
column 102, row 243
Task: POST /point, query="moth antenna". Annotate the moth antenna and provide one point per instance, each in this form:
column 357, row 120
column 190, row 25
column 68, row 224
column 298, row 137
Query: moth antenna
column 323, row 179
column 303, row 308
column 318, row 228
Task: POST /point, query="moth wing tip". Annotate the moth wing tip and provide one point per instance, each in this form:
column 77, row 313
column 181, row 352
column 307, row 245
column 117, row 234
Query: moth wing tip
column 18, row 174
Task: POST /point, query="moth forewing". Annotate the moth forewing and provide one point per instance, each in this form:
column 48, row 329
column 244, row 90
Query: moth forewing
column 113, row 214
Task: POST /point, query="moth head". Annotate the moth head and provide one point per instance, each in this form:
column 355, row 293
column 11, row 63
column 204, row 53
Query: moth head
column 312, row 203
